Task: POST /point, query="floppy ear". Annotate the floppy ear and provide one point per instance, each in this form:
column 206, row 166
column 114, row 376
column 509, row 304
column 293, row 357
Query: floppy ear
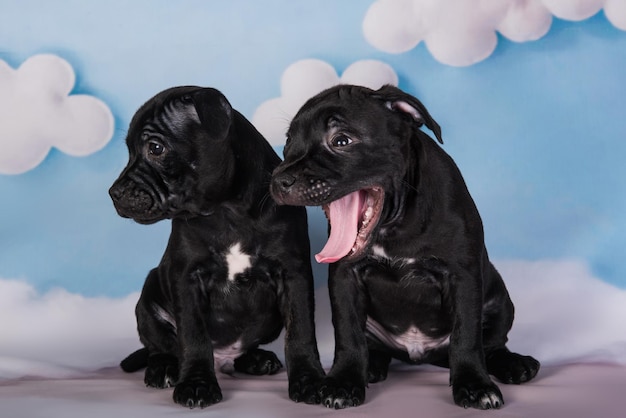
column 214, row 111
column 397, row 100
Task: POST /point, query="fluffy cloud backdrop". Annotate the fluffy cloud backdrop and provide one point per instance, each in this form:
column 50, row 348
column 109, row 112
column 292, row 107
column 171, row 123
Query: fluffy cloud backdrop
column 461, row 32
column 59, row 333
column 304, row 79
column 536, row 128
column 37, row 112
column 81, row 334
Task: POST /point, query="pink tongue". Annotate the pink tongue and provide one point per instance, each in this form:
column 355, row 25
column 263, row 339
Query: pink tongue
column 344, row 221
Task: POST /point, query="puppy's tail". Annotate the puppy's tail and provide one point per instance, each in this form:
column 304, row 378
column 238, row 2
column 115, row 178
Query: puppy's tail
column 135, row 361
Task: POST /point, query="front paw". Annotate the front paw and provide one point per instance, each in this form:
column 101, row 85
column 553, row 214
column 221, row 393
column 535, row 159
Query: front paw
column 162, row 371
column 341, row 393
column 480, row 395
column 197, row 393
column 304, row 387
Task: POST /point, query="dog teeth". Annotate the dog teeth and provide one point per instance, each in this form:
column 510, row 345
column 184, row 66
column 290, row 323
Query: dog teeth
column 367, row 217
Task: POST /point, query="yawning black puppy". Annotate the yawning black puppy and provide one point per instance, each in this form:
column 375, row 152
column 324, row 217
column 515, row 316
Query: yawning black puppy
column 236, row 267
column 410, row 277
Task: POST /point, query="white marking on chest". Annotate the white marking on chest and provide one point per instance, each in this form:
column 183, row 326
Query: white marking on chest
column 413, row 341
column 236, row 261
column 224, row 358
column 379, row 252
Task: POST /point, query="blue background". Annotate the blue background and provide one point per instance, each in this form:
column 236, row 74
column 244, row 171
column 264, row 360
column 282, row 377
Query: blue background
column 538, row 128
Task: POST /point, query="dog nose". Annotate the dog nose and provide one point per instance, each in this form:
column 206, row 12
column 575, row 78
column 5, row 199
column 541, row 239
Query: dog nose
column 280, row 187
column 115, row 192
column 284, row 181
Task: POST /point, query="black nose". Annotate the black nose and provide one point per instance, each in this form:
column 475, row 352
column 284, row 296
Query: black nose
column 281, row 186
column 284, row 181
column 115, row 192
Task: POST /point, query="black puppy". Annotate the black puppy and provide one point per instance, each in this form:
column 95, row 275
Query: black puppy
column 236, row 267
column 410, row 277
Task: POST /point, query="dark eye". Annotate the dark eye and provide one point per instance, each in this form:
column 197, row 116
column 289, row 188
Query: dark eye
column 340, row 140
column 155, row 148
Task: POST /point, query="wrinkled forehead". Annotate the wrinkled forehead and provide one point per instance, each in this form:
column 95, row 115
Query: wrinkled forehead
column 350, row 112
column 314, row 118
column 169, row 115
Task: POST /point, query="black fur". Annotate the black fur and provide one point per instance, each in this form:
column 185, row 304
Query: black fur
column 423, row 273
column 197, row 161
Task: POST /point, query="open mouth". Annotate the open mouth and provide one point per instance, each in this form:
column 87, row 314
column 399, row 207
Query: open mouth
column 352, row 219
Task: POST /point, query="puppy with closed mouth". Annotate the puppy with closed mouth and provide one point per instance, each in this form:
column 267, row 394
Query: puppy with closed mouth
column 236, row 268
column 409, row 274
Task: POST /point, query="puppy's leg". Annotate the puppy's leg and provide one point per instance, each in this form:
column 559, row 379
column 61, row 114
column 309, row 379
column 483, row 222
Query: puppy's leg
column 162, row 364
column 471, row 384
column 157, row 332
column 258, row 362
column 197, row 385
column 506, row 366
column 378, row 366
column 344, row 386
column 304, row 368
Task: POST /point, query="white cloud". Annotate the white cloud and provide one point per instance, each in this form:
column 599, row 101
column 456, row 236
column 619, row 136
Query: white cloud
column 304, row 79
column 59, row 334
column 563, row 314
column 37, row 113
column 461, row 32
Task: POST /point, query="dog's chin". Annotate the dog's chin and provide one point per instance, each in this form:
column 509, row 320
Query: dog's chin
column 370, row 207
column 147, row 221
column 182, row 214
column 142, row 219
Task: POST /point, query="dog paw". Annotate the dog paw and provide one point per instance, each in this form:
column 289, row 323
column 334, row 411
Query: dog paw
column 304, row 387
column 197, row 393
column 341, row 394
column 258, row 362
column 161, row 372
column 477, row 395
column 510, row 367
column 378, row 366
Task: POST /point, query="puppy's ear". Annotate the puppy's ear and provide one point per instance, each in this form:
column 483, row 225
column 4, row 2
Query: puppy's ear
column 214, row 111
column 397, row 100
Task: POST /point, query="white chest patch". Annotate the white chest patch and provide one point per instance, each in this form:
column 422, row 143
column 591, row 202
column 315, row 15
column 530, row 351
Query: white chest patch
column 236, row 261
column 224, row 358
column 379, row 252
column 413, row 341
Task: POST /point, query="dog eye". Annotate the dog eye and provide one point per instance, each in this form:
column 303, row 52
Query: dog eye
column 156, row 149
column 340, row 141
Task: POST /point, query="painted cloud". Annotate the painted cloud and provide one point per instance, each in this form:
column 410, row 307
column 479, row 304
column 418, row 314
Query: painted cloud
column 563, row 314
column 37, row 112
column 304, row 79
column 461, row 32
column 59, row 333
